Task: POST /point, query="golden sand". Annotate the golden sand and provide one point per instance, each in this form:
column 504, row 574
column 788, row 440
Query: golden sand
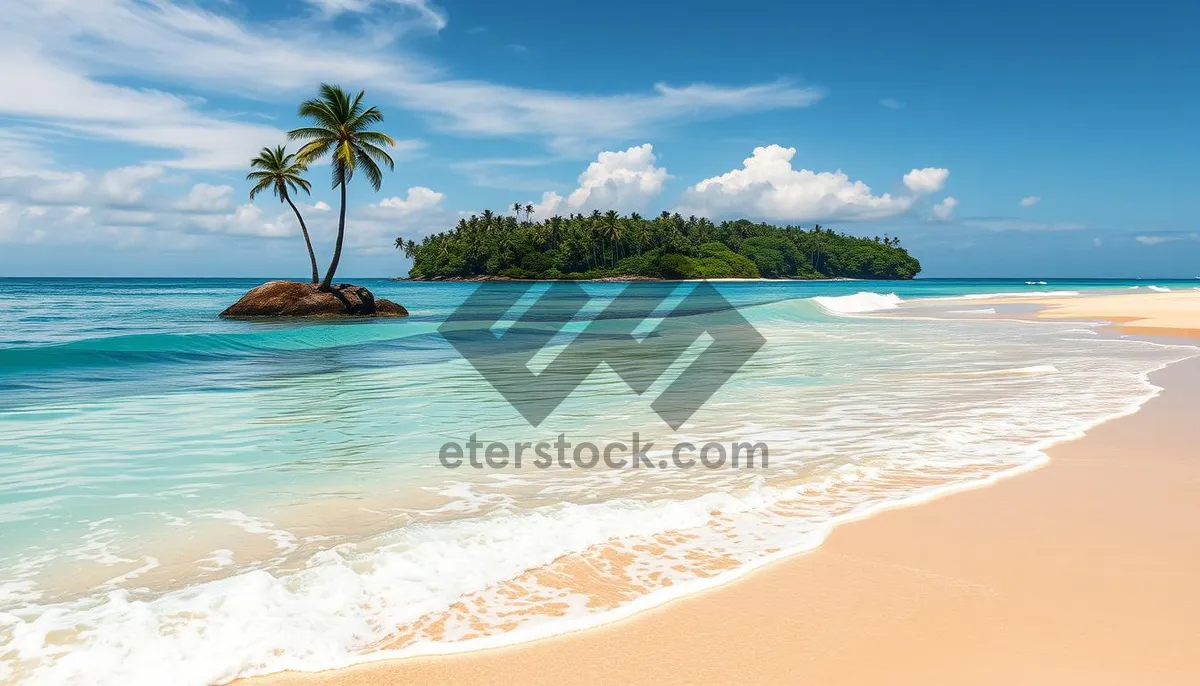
column 1175, row 313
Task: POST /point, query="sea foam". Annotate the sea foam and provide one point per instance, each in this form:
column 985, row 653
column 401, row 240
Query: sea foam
column 862, row 302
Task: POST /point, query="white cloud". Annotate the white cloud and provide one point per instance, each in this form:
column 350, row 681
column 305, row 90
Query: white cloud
column 945, row 209
column 426, row 14
column 548, row 207
column 1160, row 239
column 321, row 206
column 892, row 104
column 419, row 198
column 768, row 187
column 1155, row 240
column 622, row 180
column 61, row 54
column 1030, row 200
column 927, row 180
column 372, row 229
column 205, row 197
column 126, row 185
column 48, row 187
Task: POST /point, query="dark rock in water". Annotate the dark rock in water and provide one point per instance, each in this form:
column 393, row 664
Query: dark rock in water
column 293, row 299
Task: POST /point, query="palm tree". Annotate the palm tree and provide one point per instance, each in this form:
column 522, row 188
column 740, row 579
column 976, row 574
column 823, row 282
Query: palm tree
column 529, row 212
column 340, row 130
column 517, row 210
column 281, row 172
column 612, row 231
column 409, row 247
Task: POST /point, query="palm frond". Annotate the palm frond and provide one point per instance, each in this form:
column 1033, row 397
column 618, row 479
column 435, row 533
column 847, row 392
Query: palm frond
column 261, row 186
column 302, row 183
column 377, row 154
column 372, row 171
column 314, row 149
column 307, row 133
column 376, row 138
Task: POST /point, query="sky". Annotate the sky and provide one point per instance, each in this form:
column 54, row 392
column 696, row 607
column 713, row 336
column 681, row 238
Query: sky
column 1019, row 139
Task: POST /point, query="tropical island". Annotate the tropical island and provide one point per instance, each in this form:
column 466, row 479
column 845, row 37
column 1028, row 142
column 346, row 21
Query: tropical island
column 339, row 129
column 611, row 246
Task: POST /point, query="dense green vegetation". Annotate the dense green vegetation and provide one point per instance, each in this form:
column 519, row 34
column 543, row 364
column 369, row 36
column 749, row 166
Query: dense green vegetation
column 668, row 247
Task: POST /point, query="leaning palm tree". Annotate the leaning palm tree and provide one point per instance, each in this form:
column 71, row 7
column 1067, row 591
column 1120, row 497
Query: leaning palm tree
column 281, row 172
column 340, row 130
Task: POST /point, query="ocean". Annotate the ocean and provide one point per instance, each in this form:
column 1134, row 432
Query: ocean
column 187, row 497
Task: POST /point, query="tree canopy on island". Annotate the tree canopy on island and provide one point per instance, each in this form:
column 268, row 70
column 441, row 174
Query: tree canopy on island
column 669, row 246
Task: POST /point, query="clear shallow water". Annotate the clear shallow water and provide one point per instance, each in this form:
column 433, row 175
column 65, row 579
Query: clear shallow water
column 185, row 495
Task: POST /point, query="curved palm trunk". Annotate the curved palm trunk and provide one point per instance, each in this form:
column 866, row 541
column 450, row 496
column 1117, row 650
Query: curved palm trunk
column 327, row 284
column 312, row 256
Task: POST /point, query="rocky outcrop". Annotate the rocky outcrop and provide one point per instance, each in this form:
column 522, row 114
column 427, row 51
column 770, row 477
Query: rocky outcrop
column 293, row 299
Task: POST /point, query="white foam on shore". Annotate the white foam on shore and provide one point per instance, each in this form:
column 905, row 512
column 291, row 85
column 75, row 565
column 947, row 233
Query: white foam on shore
column 1159, row 289
column 1021, row 294
column 985, row 310
column 859, row 303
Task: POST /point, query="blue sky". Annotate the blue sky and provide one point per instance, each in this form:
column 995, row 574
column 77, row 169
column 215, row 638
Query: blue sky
column 997, row 139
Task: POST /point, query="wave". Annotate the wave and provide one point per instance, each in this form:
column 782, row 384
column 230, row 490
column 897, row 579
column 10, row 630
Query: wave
column 172, row 347
column 1021, row 294
column 1035, row 283
column 1159, row 289
column 861, row 302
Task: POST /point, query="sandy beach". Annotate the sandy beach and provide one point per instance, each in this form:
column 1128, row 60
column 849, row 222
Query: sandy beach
column 1171, row 313
column 1082, row 571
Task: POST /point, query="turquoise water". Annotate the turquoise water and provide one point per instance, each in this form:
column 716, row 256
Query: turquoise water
column 187, row 495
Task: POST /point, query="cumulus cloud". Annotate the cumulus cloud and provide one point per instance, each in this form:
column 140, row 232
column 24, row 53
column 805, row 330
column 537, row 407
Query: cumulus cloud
column 768, row 187
column 419, row 198
column 418, row 212
column 126, row 185
column 44, row 187
column 549, row 204
column 944, row 210
column 1030, row 200
column 927, row 180
column 205, row 197
column 623, row 180
column 321, row 206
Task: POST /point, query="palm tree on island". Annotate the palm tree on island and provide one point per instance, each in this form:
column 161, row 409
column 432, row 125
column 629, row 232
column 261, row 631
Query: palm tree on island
column 282, row 173
column 340, row 130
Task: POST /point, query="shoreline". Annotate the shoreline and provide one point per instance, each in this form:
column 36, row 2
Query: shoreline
column 601, row 648
column 628, row 278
